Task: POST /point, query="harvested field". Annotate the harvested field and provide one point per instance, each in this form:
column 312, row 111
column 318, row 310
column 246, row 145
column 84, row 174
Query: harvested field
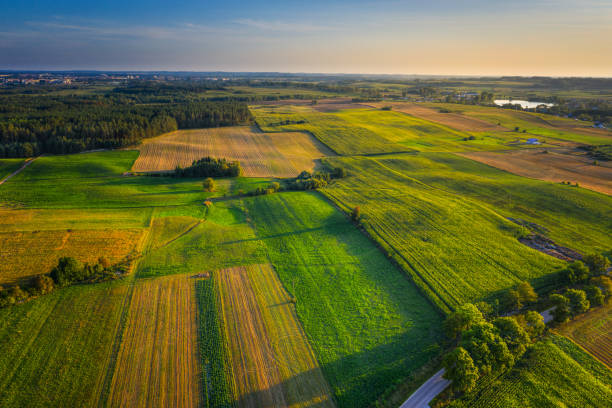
column 593, row 331
column 272, row 362
column 331, row 105
column 26, row 254
column 453, row 120
column 261, row 154
column 158, row 363
column 557, row 165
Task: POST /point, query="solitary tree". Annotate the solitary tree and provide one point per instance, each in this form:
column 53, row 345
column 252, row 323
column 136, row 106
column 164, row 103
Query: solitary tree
column 460, row 369
column 209, row 184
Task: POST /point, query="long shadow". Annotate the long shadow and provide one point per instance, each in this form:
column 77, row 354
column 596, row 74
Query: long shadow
column 359, row 391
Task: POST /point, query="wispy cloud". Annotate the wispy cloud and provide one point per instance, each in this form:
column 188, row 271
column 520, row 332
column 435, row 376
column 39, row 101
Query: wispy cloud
column 282, row 26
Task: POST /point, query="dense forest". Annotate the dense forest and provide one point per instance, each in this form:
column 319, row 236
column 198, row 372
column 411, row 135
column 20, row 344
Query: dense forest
column 35, row 124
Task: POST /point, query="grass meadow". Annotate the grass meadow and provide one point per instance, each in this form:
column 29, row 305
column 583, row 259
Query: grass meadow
column 8, row 166
column 368, row 325
column 56, row 349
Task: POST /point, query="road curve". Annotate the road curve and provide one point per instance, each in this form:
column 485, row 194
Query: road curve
column 426, row 392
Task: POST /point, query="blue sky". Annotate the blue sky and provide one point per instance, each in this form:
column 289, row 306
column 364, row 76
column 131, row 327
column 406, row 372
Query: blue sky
column 410, row 37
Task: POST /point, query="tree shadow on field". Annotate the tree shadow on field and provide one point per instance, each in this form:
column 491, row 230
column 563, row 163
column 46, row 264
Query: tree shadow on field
column 357, row 379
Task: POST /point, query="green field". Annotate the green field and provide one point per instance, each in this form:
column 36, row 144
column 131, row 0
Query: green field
column 367, row 324
column 94, row 180
column 443, row 218
column 340, row 135
column 554, row 373
column 56, row 349
column 7, row 166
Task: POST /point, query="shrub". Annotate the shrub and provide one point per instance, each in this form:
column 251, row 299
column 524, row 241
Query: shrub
column 356, row 214
column 42, row 284
column 67, row 270
column 209, row 184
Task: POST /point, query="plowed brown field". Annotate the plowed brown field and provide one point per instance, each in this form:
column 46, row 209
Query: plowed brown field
column 271, row 359
column 593, row 331
column 261, row 154
column 453, row 120
column 157, row 364
column 557, row 165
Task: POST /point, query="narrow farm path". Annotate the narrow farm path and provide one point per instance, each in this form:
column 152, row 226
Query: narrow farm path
column 16, row 172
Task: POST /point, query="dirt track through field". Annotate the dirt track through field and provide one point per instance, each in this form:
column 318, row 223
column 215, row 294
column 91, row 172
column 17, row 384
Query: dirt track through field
column 283, row 154
column 16, row 172
column 158, row 363
column 272, row 362
column 557, row 165
column 453, row 120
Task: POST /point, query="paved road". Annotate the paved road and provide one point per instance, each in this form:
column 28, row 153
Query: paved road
column 426, row 392
column 547, row 315
column 16, row 172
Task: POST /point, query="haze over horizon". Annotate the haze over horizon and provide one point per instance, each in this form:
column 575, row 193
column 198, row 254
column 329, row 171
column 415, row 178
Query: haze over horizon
column 441, row 37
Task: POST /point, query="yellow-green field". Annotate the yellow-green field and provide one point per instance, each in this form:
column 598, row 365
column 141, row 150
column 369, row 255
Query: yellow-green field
column 28, row 253
column 260, row 154
column 157, row 364
column 272, row 362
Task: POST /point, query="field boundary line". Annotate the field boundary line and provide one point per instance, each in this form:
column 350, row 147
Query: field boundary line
column 580, row 347
column 127, row 301
column 387, row 255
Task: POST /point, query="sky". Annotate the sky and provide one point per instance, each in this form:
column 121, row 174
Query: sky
column 430, row 37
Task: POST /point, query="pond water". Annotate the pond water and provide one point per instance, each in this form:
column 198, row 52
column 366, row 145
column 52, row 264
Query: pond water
column 524, row 104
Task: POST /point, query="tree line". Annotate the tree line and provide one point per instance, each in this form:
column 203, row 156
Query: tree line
column 68, row 271
column 31, row 125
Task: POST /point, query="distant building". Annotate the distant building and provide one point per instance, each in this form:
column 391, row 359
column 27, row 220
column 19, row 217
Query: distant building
column 533, row 141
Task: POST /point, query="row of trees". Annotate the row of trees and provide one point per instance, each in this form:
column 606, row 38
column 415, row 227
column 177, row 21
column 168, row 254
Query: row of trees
column 68, row 271
column 30, row 125
column 210, row 167
column 485, row 347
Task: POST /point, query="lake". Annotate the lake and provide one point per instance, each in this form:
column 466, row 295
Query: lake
column 524, row 104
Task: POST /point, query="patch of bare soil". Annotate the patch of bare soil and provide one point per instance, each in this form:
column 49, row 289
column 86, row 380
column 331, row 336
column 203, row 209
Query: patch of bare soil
column 453, row 120
column 536, row 239
column 556, row 165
